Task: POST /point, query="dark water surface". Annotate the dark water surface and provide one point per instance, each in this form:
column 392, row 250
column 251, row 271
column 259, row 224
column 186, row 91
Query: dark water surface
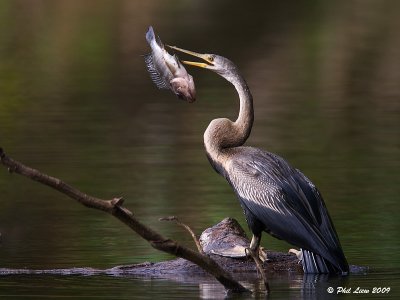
column 76, row 103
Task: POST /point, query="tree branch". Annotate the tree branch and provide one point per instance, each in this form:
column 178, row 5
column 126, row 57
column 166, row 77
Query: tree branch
column 114, row 207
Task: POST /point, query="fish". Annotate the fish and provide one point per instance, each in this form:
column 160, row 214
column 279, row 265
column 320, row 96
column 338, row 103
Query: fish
column 166, row 71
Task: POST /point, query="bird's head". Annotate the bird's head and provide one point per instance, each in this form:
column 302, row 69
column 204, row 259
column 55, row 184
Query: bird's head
column 213, row 62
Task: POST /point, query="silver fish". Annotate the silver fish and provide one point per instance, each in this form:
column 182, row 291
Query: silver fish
column 166, row 70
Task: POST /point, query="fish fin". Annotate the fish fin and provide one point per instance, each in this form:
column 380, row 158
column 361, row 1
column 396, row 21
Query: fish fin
column 158, row 41
column 177, row 60
column 154, row 74
column 150, row 35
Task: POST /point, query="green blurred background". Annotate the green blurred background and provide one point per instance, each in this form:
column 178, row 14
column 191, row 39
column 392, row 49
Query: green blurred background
column 76, row 103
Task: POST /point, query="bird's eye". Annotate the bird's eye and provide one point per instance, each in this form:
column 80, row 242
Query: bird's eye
column 211, row 58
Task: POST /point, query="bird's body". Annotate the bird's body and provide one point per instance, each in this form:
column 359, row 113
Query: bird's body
column 282, row 201
column 275, row 197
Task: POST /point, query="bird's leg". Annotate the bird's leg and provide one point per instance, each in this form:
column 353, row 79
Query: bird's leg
column 255, row 247
column 255, row 242
column 254, row 252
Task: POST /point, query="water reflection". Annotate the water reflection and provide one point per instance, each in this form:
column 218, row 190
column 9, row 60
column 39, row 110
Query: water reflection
column 76, row 102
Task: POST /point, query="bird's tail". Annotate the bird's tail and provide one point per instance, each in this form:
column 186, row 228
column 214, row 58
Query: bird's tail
column 316, row 264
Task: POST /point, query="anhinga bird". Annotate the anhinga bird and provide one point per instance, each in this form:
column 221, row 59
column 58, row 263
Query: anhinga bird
column 275, row 197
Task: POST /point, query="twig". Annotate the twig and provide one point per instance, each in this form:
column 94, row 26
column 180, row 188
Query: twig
column 194, row 236
column 114, row 207
column 260, row 268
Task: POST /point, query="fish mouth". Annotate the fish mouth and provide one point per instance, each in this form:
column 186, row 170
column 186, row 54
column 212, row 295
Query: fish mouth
column 206, row 57
column 189, row 98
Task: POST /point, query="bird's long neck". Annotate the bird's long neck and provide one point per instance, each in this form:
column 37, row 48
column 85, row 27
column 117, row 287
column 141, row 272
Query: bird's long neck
column 244, row 122
column 223, row 134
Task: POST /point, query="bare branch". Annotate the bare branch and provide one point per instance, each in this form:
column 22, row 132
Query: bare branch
column 114, row 207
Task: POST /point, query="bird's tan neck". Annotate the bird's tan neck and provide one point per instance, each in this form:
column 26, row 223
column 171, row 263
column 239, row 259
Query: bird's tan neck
column 223, row 134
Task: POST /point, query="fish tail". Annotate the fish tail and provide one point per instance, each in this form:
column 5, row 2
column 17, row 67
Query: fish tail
column 150, row 36
column 316, row 264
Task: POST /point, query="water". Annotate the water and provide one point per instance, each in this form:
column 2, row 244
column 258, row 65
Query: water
column 76, row 103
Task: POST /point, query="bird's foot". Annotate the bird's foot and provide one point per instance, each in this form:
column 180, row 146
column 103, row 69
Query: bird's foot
column 298, row 254
column 262, row 253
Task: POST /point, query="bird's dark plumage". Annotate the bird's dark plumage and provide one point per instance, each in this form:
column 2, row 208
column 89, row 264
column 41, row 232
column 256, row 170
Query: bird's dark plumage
column 280, row 200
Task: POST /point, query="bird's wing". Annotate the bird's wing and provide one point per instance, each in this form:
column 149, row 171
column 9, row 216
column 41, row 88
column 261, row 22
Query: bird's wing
column 285, row 201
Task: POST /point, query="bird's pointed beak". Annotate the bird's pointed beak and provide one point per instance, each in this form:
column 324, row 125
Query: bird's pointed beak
column 199, row 55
